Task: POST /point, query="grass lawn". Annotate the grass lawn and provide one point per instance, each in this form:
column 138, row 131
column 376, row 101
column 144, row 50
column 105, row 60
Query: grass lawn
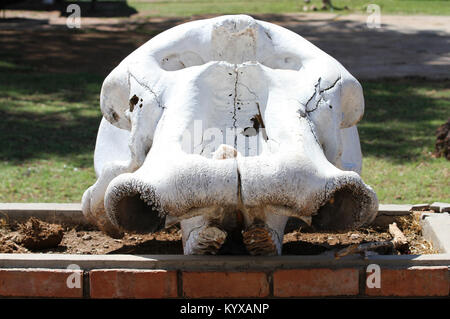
column 397, row 138
column 49, row 124
column 48, row 129
column 191, row 7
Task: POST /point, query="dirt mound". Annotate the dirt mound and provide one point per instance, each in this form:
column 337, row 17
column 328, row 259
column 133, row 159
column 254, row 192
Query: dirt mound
column 36, row 234
column 8, row 246
column 443, row 140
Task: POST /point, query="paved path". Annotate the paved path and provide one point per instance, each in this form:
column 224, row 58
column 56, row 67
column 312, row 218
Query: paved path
column 402, row 46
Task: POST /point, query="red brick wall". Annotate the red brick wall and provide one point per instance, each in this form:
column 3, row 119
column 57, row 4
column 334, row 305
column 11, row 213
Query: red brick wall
column 284, row 283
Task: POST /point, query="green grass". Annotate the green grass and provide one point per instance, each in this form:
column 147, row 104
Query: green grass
column 49, row 124
column 397, row 139
column 182, row 8
column 48, row 129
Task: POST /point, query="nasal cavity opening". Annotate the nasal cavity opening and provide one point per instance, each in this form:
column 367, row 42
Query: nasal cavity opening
column 340, row 212
column 135, row 215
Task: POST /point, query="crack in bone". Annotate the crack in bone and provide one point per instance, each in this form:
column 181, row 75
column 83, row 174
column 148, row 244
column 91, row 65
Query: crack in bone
column 234, row 105
column 318, row 92
column 250, row 91
column 239, row 190
column 258, row 117
column 310, row 124
column 158, row 101
column 317, row 85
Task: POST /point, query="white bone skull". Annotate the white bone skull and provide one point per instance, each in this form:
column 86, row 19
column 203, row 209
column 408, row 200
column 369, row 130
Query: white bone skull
column 229, row 125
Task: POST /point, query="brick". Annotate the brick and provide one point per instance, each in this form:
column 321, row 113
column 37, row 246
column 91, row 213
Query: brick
column 132, row 283
column 40, row 283
column 315, row 282
column 216, row 284
column 412, row 282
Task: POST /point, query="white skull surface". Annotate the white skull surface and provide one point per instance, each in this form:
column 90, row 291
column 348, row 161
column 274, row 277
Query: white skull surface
column 229, row 125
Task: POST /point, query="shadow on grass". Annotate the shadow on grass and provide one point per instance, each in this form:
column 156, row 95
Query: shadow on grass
column 46, row 115
column 401, row 117
column 117, row 8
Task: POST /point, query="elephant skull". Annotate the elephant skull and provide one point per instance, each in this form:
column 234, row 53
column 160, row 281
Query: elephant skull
column 230, row 126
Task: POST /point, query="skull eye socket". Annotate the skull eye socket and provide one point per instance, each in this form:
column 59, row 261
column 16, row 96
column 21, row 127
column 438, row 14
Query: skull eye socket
column 283, row 61
column 175, row 61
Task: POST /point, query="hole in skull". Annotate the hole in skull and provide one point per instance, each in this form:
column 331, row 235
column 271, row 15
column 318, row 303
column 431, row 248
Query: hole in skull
column 340, row 212
column 115, row 116
column 133, row 101
column 258, row 124
column 249, row 131
column 133, row 214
